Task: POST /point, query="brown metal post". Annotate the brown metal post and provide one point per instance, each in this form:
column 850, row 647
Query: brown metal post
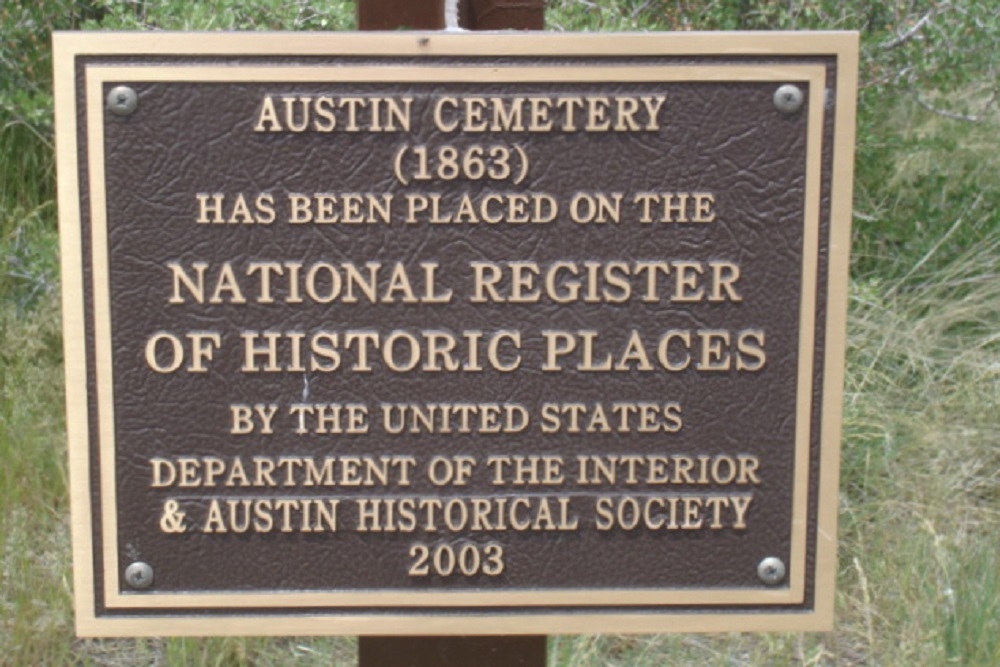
column 400, row 14
column 529, row 651
column 429, row 14
column 451, row 652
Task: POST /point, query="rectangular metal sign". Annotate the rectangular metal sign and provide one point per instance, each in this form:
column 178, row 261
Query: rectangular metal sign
column 442, row 334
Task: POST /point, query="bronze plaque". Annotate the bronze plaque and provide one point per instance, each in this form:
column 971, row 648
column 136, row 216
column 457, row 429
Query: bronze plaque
column 440, row 334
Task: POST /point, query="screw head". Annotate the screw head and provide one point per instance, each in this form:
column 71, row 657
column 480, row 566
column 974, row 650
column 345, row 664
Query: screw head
column 771, row 571
column 139, row 575
column 122, row 100
column 788, row 98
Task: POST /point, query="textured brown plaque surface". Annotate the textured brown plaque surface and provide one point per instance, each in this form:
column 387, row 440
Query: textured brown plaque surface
column 435, row 334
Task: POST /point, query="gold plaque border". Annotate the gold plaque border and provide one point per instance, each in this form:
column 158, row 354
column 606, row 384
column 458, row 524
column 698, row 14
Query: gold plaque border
column 68, row 46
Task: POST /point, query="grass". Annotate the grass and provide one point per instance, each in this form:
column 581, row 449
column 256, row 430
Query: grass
column 920, row 486
column 34, row 543
column 919, row 567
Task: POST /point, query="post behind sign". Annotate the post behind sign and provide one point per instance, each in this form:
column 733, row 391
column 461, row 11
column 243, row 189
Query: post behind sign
column 451, row 651
column 472, row 14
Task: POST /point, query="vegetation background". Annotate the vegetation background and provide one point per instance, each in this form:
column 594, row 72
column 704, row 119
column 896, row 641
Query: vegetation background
column 919, row 564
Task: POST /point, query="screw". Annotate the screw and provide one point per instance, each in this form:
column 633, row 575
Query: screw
column 139, row 575
column 122, row 100
column 788, row 98
column 771, row 571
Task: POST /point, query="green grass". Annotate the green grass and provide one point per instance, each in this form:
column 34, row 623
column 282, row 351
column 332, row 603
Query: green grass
column 35, row 623
column 919, row 566
column 920, row 488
